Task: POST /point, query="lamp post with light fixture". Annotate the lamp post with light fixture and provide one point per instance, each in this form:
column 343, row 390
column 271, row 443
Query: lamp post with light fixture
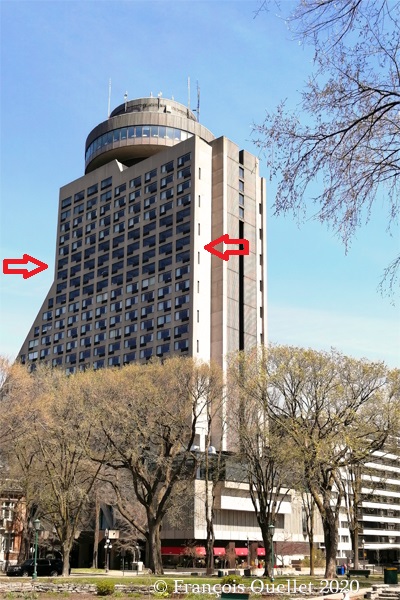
column 107, row 548
column 36, row 525
column 272, row 531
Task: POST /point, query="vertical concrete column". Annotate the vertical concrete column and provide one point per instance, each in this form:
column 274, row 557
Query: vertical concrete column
column 231, row 555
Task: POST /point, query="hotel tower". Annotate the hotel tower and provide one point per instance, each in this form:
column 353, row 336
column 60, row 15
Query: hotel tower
column 132, row 278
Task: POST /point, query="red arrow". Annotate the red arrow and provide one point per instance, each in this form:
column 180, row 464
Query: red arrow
column 227, row 240
column 7, row 270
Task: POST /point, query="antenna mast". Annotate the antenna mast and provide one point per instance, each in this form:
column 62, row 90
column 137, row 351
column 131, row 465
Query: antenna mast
column 198, row 102
column 188, row 84
column 109, row 98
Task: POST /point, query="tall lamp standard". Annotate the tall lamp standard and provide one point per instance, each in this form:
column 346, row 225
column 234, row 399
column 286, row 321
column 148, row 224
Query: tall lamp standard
column 36, row 525
column 363, row 551
column 107, row 548
column 272, row 531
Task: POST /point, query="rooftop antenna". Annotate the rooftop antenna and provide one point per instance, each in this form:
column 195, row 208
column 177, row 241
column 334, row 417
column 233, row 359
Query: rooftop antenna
column 126, row 99
column 188, row 85
column 197, row 110
column 109, row 98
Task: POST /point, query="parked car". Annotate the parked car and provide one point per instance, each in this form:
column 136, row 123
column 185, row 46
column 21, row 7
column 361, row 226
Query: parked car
column 46, row 567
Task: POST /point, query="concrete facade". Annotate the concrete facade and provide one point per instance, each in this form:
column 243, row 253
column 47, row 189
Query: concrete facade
column 132, row 278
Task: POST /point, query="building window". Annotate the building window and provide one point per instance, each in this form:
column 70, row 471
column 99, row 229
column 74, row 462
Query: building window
column 135, row 182
column 181, row 187
column 162, row 349
column 183, row 159
column 79, row 196
column 180, row 330
column 119, row 189
column 129, row 329
column 165, row 277
column 150, row 174
column 146, row 339
column 151, row 188
column 183, row 173
column 164, row 291
column 106, row 183
column 164, row 305
column 168, row 167
column 131, row 315
column 182, row 345
column 114, row 361
column 181, row 271
column 163, row 320
column 147, row 325
column 241, row 212
column 184, row 200
column 165, row 208
column 182, row 315
column 66, row 202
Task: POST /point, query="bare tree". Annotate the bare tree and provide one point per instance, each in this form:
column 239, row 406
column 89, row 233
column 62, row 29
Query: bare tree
column 345, row 133
column 267, row 459
column 52, row 454
column 326, row 403
column 156, row 409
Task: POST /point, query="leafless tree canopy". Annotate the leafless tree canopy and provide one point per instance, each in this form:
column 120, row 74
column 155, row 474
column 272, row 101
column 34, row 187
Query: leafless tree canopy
column 346, row 131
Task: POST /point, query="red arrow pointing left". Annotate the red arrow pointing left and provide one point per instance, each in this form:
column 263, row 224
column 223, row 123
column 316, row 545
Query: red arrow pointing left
column 227, row 240
column 25, row 260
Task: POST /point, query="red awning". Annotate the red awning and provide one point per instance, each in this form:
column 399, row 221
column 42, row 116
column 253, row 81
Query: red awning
column 166, row 550
column 178, row 550
column 242, row 551
column 260, row 551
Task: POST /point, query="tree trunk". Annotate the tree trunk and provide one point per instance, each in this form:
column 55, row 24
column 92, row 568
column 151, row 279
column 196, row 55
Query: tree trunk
column 24, row 550
column 266, row 536
column 311, row 546
column 331, row 536
column 354, row 547
column 210, row 547
column 66, row 552
column 95, row 561
column 153, row 548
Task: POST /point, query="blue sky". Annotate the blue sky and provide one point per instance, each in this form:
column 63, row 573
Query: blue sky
column 56, row 60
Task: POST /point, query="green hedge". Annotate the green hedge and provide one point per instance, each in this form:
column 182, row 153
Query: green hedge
column 105, row 588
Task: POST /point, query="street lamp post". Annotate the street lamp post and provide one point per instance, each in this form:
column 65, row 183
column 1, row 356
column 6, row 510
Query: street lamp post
column 36, row 524
column 363, row 551
column 107, row 547
column 272, row 530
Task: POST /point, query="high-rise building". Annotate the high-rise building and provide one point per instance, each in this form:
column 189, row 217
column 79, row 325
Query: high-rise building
column 132, row 277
